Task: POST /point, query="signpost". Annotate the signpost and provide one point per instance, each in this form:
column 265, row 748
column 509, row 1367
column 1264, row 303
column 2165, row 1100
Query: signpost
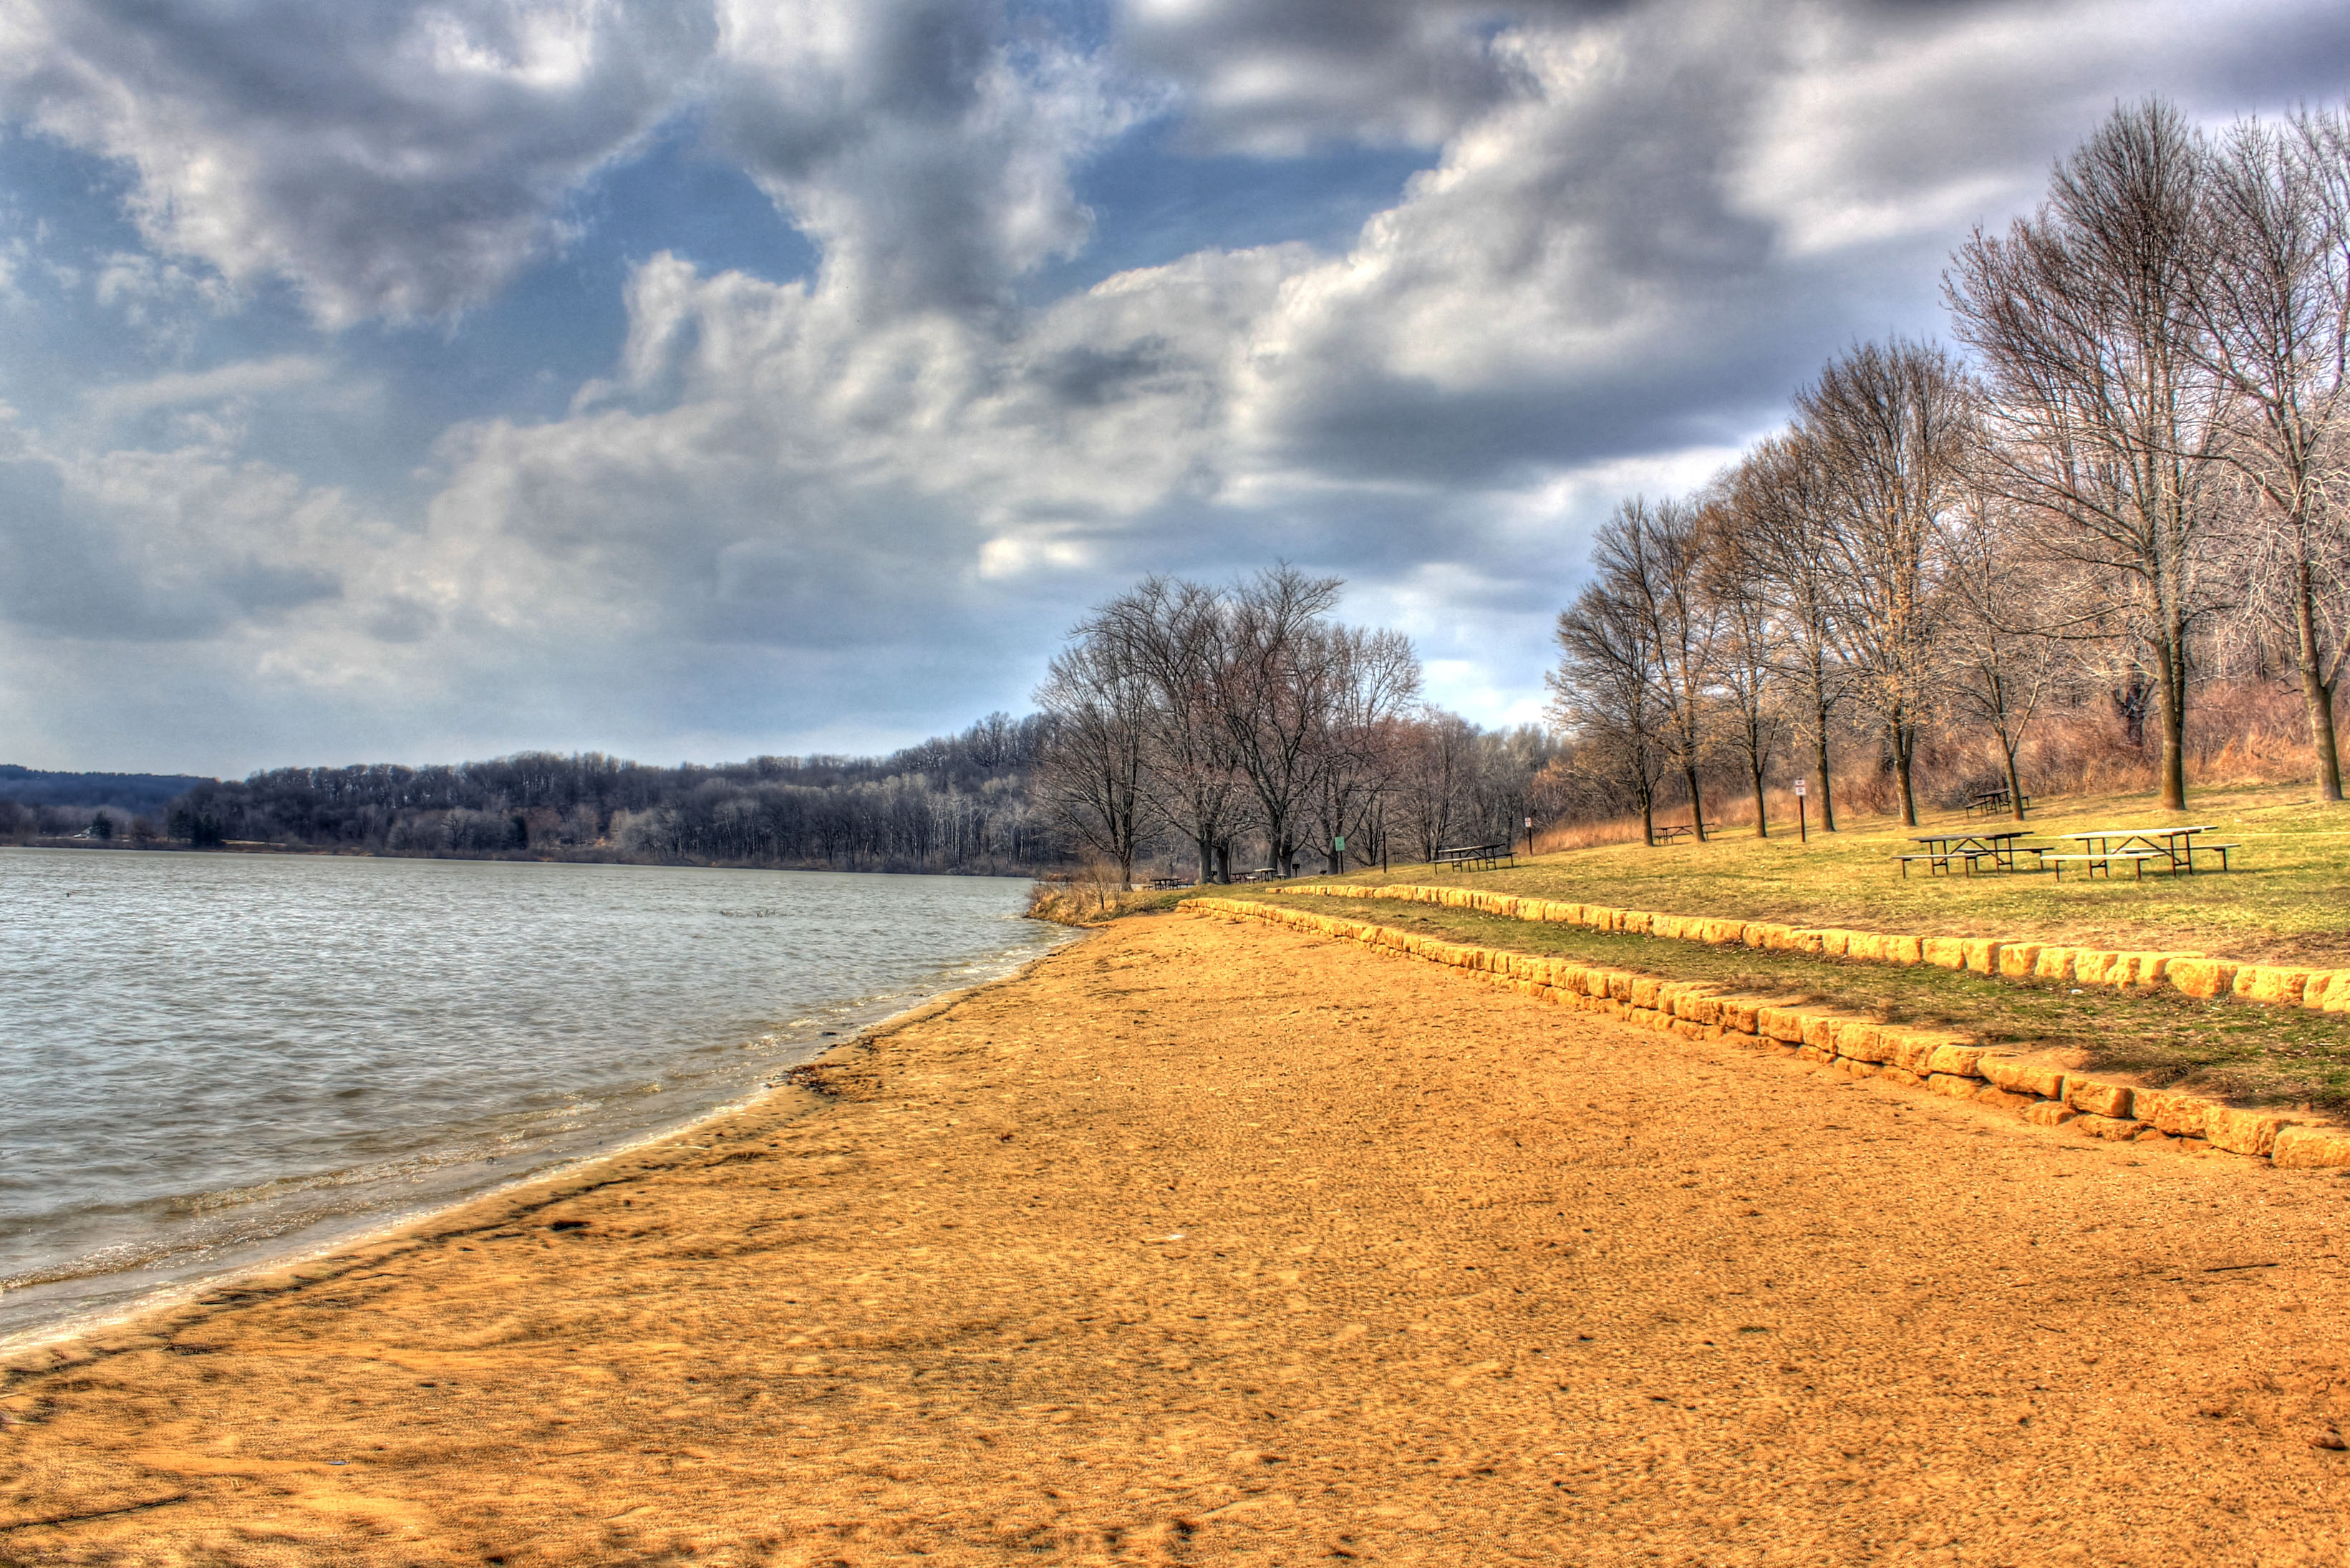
column 1530, row 835
column 1802, row 819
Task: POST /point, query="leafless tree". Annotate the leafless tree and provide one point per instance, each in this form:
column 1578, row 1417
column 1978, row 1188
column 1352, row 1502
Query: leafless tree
column 1778, row 517
column 1893, row 428
column 1747, row 657
column 1091, row 776
column 1997, row 671
column 1174, row 635
column 2275, row 299
column 1438, row 763
column 1373, row 677
column 1650, row 558
column 1273, row 694
column 2086, row 318
column 1605, row 694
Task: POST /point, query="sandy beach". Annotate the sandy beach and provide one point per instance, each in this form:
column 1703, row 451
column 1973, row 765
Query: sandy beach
column 1199, row 1243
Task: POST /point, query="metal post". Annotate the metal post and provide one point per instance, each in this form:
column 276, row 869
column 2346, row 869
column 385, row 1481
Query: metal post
column 1803, row 819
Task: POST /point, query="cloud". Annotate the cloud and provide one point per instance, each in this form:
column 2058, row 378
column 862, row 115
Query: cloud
column 387, row 159
column 225, row 382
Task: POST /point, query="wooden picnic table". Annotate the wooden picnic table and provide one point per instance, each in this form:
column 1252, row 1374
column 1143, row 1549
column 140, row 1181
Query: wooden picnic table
column 1470, row 856
column 1965, row 847
column 1678, row 831
column 2174, row 847
column 1990, row 800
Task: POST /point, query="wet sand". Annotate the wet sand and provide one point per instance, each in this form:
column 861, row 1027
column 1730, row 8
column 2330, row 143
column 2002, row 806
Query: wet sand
column 1201, row 1243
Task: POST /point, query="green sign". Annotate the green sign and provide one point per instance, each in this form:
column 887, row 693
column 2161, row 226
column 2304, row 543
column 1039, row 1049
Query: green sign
column 1338, row 845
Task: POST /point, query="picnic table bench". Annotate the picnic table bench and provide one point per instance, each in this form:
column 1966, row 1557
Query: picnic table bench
column 1676, row 833
column 1475, row 856
column 1159, row 882
column 1262, row 874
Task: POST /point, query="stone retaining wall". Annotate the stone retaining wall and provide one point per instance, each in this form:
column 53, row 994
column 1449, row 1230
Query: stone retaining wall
column 2196, row 974
column 1937, row 1060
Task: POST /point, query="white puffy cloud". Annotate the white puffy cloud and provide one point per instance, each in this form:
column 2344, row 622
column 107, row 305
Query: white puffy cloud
column 387, row 159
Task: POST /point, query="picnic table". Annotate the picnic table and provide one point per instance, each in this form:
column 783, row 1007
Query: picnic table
column 2174, row 848
column 1966, row 849
column 1475, row 856
column 1987, row 801
column 1679, row 831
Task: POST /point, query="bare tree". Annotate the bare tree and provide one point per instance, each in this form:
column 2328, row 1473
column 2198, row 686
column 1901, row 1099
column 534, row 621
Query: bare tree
column 1746, row 659
column 1273, row 692
column 1893, row 428
column 1777, row 518
column 2276, row 301
column 1649, row 556
column 1438, row 763
column 1605, row 694
column 1091, row 776
column 1373, row 678
column 1174, row 636
column 2087, row 319
column 1998, row 672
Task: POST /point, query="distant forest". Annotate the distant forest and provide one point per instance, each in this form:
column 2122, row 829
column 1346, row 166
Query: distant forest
column 959, row 803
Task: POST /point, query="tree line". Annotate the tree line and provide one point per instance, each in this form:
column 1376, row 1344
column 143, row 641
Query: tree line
column 959, row 803
column 2129, row 487
column 1237, row 729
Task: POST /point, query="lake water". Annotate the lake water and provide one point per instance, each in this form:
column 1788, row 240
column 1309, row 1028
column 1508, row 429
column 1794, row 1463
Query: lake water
column 214, row 1059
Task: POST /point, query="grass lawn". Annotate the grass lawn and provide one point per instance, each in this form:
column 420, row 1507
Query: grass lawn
column 2229, row 1049
column 2287, row 901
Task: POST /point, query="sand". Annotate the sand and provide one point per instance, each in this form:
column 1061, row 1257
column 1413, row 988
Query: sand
column 1208, row 1243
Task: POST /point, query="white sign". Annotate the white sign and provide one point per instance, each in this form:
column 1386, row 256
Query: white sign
column 1799, row 789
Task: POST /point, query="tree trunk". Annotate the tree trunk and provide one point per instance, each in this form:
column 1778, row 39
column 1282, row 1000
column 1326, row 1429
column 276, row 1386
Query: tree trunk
column 1827, row 796
column 1696, row 806
column 1648, row 820
column 2015, row 782
column 2170, row 712
column 2318, row 696
column 1902, row 744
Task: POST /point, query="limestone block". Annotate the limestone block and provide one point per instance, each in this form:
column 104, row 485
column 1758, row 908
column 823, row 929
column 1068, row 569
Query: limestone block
column 1636, row 921
column 1813, row 1053
column 2243, row 1132
column 2118, row 1129
column 2053, row 963
column 1904, row 950
column 1956, row 1087
column 2271, row 983
column 1801, row 941
column 2310, row 1148
column 1946, row 952
column 1836, row 943
column 1958, row 1061
column 1754, row 934
column 1644, row 993
column 2204, row 977
column 1739, row 1013
column 1901, row 1075
column 1782, row 1024
column 2092, row 1098
column 2322, row 985
column 1689, row 1029
column 2167, row 1110
column 2000, row 1099
column 2018, row 960
column 1820, row 1029
column 1982, row 954
column 1866, row 946
column 1852, row 1069
column 1860, row 1040
column 2024, row 1077
column 2049, row 1114
column 1668, row 926
column 1619, row 985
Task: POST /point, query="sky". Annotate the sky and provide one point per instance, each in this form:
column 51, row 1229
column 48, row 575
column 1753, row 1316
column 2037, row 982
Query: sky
column 692, row 381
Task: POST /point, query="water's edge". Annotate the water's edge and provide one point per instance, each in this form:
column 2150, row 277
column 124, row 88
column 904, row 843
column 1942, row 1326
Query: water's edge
column 379, row 1230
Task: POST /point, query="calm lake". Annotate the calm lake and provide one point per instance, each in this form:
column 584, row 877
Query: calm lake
column 215, row 1059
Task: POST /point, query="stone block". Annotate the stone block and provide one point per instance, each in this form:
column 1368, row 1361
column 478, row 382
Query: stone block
column 1865, row 946
column 1957, row 1088
column 2273, row 984
column 2000, row 1099
column 2018, row 960
column 1738, row 1012
column 1904, row 950
column 1958, row 1061
column 1852, row 1069
column 1835, row 944
column 1644, row 992
column 2053, row 963
column 1901, row 1075
column 1813, row 1054
column 2095, row 1099
column 1691, row 1029
column 1820, row 1029
column 2167, row 1110
column 2310, row 1148
column 1860, row 1040
column 2049, row 1114
column 1781, row 1023
column 2203, row 976
column 1668, row 926
column 2322, row 985
column 1619, row 984
column 1982, row 954
column 2243, row 1132
column 2090, row 964
column 2115, row 1129
column 1946, row 952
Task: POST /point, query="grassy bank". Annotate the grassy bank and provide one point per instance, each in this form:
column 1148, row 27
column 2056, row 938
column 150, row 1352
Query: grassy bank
column 2287, row 901
column 2235, row 1050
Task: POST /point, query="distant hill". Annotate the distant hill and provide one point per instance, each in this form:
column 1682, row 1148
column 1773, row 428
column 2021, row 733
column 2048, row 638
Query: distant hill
column 141, row 794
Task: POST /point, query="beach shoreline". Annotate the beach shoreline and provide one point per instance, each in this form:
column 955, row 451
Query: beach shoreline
column 1194, row 1242
column 376, row 1231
